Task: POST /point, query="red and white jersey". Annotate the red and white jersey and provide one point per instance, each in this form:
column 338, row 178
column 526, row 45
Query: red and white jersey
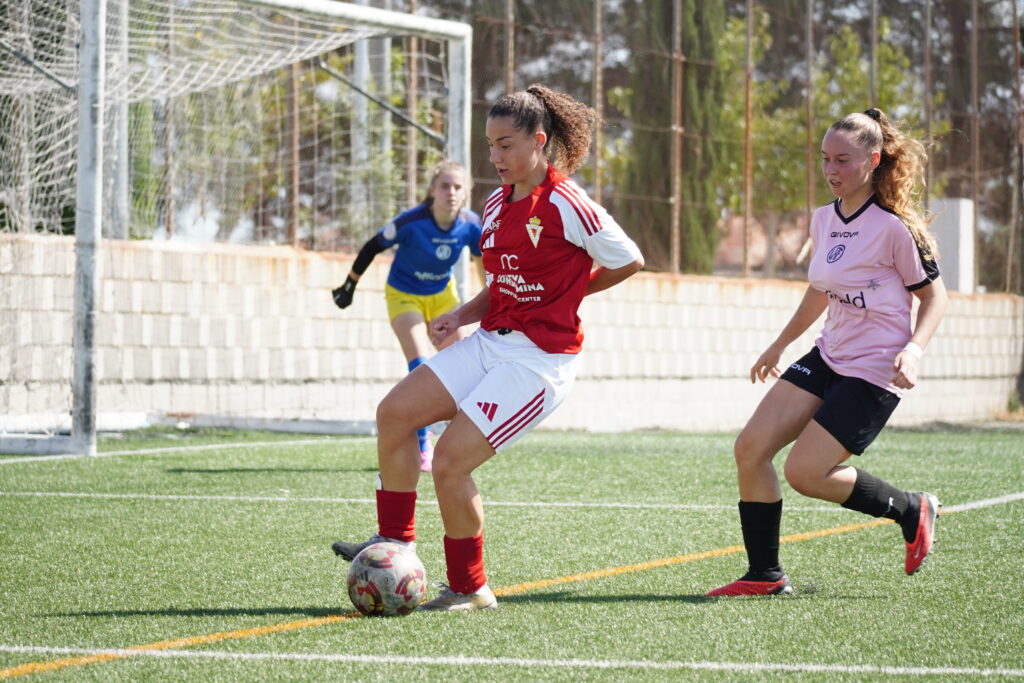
column 538, row 253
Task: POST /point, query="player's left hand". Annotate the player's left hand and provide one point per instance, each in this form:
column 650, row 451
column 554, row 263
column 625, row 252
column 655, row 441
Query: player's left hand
column 905, row 370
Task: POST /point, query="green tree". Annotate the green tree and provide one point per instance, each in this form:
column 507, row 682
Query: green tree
column 645, row 176
column 841, row 85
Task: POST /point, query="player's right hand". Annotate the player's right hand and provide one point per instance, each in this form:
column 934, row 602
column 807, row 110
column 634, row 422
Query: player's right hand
column 442, row 327
column 343, row 295
column 767, row 364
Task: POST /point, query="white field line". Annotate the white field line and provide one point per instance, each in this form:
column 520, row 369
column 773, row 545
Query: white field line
column 946, row 509
column 988, row 502
column 461, row 661
column 183, row 448
column 742, row 667
column 295, row 499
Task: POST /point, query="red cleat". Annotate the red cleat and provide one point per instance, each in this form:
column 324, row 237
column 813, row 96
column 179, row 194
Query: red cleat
column 741, row 587
column 918, row 551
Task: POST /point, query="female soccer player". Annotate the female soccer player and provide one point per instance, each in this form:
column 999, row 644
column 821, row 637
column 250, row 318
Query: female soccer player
column 872, row 252
column 541, row 237
column 430, row 238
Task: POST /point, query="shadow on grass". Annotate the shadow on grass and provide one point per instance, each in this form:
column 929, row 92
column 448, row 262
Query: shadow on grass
column 694, row 599
column 214, row 612
column 266, row 470
column 568, row 596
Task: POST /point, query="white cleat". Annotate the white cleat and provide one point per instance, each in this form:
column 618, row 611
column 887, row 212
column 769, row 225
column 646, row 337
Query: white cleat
column 450, row 601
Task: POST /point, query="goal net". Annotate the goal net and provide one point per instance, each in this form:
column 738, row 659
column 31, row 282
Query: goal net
column 306, row 123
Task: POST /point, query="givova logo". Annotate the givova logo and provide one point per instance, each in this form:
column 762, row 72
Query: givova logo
column 835, row 253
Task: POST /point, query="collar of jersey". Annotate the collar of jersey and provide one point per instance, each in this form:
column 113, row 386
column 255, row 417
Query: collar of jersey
column 548, row 181
column 873, row 199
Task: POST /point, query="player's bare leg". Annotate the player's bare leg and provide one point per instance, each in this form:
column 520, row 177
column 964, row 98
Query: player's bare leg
column 461, row 449
column 411, row 330
column 418, row 400
column 779, row 419
column 814, row 467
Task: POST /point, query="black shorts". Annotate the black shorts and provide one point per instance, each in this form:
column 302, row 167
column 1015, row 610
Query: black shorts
column 854, row 410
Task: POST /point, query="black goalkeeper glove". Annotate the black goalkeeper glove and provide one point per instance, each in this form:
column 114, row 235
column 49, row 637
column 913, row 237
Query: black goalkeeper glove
column 343, row 294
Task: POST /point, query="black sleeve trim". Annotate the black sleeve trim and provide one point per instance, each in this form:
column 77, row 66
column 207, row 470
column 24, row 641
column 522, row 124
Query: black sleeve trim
column 931, row 270
column 373, row 247
column 919, row 285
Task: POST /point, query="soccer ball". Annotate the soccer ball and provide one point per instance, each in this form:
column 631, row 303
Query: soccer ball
column 386, row 580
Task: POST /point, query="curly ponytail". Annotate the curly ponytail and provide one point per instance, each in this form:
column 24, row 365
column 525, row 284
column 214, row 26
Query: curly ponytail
column 568, row 123
column 900, row 171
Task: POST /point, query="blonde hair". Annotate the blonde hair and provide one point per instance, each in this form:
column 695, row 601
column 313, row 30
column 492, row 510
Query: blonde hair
column 900, row 172
column 445, row 166
column 568, row 123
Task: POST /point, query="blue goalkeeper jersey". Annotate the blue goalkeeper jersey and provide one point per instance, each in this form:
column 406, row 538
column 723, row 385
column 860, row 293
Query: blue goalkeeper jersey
column 426, row 253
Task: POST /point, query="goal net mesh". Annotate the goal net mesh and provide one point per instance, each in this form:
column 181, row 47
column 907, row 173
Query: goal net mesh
column 224, row 121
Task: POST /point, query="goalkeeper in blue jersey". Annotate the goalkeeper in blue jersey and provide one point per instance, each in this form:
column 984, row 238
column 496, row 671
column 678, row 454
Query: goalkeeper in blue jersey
column 420, row 287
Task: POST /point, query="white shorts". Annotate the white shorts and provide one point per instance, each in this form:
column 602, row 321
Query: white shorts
column 505, row 384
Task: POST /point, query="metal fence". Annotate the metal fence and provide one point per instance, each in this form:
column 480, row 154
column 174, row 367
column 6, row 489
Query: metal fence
column 712, row 113
column 775, row 75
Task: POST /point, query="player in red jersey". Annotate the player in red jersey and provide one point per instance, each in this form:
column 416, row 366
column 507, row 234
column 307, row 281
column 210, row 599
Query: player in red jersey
column 541, row 238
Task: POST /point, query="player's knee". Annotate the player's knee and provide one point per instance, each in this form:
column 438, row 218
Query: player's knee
column 445, row 470
column 802, row 480
column 747, row 451
column 390, row 414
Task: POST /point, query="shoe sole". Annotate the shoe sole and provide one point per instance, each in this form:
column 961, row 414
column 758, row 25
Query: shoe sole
column 348, row 557
column 934, row 504
column 456, row 608
column 784, row 589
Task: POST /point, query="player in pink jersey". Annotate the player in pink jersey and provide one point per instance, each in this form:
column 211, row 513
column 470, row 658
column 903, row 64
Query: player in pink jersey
column 541, row 238
column 872, row 253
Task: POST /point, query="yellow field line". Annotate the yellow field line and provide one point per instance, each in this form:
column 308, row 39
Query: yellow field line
column 679, row 559
column 40, row 667
column 616, row 571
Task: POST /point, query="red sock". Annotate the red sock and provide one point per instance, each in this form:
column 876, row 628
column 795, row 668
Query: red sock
column 465, row 558
column 396, row 514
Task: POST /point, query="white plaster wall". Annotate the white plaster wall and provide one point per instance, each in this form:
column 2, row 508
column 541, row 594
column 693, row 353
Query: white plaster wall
column 246, row 335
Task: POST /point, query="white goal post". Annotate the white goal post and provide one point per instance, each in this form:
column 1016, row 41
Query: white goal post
column 117, row 79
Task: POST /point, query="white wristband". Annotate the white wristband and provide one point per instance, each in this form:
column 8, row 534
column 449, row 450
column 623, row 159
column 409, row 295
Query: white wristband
column 914, row 350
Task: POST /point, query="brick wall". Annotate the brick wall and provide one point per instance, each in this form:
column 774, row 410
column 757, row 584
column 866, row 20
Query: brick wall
column 243, row 335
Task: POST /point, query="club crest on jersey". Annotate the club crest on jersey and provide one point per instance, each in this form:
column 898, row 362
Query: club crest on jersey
column 835, row 253
column 533, row 228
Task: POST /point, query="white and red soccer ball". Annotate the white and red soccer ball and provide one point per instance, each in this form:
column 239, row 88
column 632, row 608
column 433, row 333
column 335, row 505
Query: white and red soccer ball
column 386, row 580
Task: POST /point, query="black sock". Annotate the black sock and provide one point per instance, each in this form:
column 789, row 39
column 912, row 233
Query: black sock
column 760, row 523
column 877, row 498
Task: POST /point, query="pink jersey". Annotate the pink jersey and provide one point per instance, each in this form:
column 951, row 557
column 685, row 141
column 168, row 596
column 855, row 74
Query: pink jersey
column 867, row 263
column 538, row 253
